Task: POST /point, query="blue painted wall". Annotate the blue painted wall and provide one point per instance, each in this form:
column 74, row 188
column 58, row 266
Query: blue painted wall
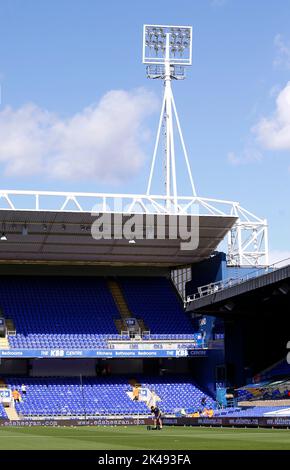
column 204, row 370
column 214, row 269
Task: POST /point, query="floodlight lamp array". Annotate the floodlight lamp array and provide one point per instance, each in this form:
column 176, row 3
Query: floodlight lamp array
column 155, row 39
column 177, row 72
column 179, row 40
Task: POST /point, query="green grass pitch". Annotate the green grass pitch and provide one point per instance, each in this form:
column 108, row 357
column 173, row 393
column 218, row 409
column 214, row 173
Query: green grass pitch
column 137, row 437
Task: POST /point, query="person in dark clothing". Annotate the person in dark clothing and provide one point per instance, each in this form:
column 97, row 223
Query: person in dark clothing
column 203, row 402
column 157, row 417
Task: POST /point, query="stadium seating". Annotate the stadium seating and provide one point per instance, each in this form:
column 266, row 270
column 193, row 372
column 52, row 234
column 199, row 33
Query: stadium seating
column 66, row 397
column 3, row 414
column 249, row 412
column 251, row 392
column 70, row 312
column 103, row 396
column 266, row 390
column 155, row 301
column 53, row 313
column 177, row 393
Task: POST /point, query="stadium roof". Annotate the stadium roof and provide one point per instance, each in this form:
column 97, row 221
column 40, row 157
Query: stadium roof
column 248, row 243
column 267, row 291
column 40, row 236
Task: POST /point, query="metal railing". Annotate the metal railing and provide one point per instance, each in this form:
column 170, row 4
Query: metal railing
column 218, row 286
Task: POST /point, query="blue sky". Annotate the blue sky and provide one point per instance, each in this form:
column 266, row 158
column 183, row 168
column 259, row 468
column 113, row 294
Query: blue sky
column 73, row 82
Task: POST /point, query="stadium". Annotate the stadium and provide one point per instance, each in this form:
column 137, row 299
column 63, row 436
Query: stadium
column 111, row 304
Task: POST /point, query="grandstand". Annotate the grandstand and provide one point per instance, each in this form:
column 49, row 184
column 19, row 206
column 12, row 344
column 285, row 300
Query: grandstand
column 83, row 320
column 82, row 313
column 102, row 396
column 78, row 316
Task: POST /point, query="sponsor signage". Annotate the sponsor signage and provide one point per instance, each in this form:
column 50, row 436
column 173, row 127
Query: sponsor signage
column 152, row 346
column 196, row 352
column 130, row 321
column 5, row 395
column 103, row 353
column 282, row 422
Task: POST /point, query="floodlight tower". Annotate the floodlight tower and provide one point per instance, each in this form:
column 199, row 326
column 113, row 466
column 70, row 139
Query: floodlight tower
column 167, row 50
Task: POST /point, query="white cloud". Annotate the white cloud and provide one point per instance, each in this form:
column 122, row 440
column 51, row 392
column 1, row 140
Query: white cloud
column 279, row 257
column 103, row 142
column 274, row 132
column 248, row 155
column 282, row 58
column 274, row 91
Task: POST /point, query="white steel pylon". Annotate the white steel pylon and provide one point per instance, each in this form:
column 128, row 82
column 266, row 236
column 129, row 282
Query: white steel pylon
column 166, row 50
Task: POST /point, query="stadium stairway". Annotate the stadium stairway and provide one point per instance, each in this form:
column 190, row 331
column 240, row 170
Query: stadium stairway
column 10, row 411
column 123, row 308
column 4, row 343
column 10, row 328
column 12, row 414
column 134, row 383
column 119, row 299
